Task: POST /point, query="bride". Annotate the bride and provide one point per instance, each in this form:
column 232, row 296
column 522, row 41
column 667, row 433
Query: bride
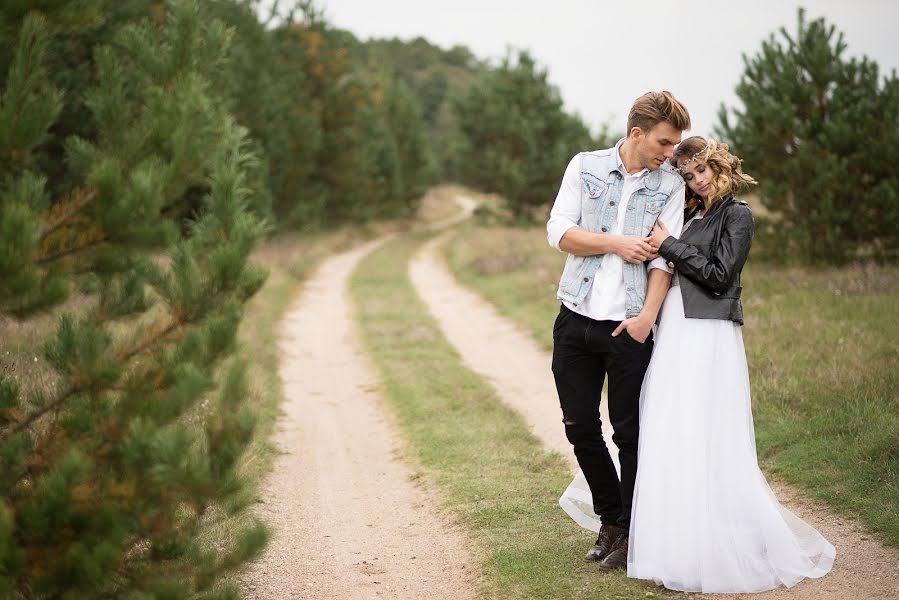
column 704, row 518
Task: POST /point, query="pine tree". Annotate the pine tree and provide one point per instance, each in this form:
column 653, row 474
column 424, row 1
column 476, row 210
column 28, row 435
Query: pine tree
column 329, row 189
column 517, row 138
column 265, row 78
column 366, row 164
column 392, row 150
column 819, row 132
column 416, row 159
column 108, row 476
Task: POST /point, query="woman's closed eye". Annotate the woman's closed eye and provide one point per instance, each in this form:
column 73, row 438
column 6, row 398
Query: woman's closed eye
column 689, row 176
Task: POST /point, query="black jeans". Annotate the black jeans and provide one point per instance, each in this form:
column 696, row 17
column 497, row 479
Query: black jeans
column 584, row 352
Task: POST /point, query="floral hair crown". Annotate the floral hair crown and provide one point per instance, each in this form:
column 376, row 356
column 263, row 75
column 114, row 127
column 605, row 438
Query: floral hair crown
column 683, row 164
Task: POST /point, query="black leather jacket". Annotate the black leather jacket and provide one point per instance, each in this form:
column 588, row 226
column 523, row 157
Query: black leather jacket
column 709, row 257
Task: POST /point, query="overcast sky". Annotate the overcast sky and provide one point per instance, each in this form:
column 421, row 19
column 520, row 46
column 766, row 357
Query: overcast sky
column 692, row 48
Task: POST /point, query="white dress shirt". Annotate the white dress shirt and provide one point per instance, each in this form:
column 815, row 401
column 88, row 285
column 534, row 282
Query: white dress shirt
column 606, row 299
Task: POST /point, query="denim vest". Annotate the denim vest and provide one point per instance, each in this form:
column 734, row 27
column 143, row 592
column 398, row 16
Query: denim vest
column 601, row 184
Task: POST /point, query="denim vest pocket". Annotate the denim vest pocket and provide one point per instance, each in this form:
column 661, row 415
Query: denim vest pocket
column 654, row 207
column 593, row 194
column 652, row 210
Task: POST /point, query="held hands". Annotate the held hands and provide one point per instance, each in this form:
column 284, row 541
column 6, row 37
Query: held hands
column 637, row 327
column 658, row 235
column 634, row 249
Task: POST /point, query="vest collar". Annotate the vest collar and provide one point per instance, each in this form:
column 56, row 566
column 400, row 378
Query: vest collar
column 650, row 181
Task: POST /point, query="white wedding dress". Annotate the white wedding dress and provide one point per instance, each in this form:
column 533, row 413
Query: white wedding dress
column 704, row 518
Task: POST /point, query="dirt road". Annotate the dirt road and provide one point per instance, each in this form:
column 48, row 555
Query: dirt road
column 348, row 521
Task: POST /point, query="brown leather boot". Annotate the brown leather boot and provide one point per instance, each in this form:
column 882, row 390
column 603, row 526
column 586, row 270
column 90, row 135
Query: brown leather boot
column 617, row 556
column 608, row 534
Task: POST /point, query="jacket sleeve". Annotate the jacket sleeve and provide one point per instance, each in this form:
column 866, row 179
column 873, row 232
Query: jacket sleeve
column 717, row 272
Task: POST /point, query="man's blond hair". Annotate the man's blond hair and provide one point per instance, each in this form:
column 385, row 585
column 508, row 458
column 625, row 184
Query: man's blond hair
column 653, row 108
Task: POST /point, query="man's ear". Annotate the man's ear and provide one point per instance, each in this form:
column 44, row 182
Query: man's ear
column 635, row 134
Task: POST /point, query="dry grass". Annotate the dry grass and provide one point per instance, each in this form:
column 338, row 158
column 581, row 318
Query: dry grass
column 22, row 341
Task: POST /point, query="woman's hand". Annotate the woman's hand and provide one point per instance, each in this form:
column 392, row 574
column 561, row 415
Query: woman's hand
column 658, row 235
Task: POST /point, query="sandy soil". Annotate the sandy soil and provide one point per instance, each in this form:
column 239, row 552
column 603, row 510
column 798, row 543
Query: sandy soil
column 520, row 371
column 348, row 521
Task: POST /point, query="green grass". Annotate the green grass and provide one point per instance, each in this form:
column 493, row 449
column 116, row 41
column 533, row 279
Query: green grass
column 822, row 351
column 489, row 470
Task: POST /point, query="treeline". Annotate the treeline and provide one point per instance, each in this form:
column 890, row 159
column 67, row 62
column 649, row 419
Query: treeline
column 343, row 138
column 145, row 149
column 436, row 77
column 343, row 130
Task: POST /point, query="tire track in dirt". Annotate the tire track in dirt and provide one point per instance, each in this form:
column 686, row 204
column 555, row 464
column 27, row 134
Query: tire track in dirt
column 519, row 369
column 348, row 522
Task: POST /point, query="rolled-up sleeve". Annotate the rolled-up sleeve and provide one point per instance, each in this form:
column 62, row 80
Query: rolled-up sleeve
column 673, row 218
column 566, row 210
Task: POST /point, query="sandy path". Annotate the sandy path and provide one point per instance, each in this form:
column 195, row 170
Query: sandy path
column 347, row 520
column 520, row 371
column 525, row 383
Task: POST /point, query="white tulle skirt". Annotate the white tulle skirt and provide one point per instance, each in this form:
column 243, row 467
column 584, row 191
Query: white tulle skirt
column 704, row 518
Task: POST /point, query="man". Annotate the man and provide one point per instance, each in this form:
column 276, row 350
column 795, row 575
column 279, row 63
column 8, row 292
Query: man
column 611, row 290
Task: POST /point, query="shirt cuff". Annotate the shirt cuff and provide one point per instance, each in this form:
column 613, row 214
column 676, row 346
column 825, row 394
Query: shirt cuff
column 660, row 263
column 556, row 231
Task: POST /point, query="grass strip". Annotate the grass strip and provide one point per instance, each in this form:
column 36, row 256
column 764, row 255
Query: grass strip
column 821, row 346
column 491, row 472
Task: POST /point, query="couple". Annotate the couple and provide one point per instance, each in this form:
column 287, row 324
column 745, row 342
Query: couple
column 652, row 229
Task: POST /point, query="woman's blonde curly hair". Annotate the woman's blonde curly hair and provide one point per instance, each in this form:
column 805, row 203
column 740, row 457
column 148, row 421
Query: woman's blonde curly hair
column 729, row 175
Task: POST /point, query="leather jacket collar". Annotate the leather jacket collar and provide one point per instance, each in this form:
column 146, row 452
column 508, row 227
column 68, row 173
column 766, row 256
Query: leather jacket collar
column 725, row 201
